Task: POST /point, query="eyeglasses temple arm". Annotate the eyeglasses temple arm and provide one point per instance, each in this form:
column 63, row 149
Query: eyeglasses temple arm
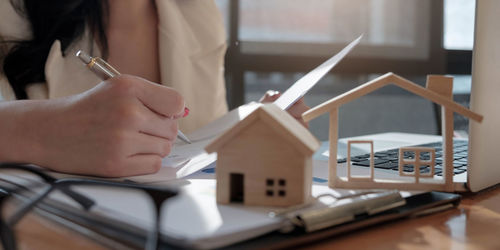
column 26, row 207
column 84, row 201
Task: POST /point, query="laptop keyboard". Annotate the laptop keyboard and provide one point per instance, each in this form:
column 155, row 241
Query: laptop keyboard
column 389, row 159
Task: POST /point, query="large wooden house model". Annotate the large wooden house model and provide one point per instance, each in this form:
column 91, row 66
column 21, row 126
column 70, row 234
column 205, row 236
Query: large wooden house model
column 265, row 160
column 438, row 90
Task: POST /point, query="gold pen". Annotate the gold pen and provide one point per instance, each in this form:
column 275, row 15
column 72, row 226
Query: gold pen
column 105, row 71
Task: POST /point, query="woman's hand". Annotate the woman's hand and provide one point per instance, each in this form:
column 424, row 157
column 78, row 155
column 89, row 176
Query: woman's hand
column 295, row 110
column 121, row 127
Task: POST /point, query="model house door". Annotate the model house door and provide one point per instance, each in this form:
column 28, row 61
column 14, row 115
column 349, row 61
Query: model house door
column 236, row 184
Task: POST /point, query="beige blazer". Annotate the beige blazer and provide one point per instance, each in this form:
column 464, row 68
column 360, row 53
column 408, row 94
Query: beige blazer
column 192, row 45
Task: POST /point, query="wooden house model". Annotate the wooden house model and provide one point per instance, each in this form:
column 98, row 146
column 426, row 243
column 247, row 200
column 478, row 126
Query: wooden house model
column 439, row 91
column 265, row 160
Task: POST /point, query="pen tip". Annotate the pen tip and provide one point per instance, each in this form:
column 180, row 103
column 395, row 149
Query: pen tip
column 84, row 57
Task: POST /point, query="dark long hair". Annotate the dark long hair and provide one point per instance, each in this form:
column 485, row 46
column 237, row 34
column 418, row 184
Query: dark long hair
column 64, row 20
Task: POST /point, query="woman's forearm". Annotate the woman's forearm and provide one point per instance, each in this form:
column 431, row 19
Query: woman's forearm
column 19, row 126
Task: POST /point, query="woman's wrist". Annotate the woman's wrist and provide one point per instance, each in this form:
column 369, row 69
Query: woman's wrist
column 20, row 130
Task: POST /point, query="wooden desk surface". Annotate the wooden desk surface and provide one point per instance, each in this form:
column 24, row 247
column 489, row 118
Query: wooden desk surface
column 474, row 225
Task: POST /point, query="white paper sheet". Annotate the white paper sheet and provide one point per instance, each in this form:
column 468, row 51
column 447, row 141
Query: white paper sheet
column 304, row 84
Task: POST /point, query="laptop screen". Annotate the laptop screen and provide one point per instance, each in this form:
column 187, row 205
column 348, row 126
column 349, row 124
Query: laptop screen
column 484, row 139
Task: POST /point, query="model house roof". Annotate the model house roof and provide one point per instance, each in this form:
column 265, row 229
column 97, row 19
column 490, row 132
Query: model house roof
column 384, row 80
column 280, row 121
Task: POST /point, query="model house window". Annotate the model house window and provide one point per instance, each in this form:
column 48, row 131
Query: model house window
column 275, row 187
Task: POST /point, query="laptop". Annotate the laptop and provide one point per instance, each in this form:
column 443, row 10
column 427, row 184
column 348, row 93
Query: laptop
column 476, row 165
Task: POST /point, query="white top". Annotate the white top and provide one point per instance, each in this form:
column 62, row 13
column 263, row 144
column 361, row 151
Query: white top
column 192, row 45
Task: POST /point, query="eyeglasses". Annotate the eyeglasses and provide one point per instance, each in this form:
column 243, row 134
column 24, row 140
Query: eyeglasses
column 26, row 196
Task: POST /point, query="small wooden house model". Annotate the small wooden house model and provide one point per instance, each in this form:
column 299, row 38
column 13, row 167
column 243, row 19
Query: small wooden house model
column 265, row 159
column 438, row 90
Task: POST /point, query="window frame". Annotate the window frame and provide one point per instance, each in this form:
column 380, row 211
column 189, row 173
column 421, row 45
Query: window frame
column 237, row 62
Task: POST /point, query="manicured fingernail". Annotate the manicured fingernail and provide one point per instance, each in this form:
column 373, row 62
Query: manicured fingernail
column 186, row 112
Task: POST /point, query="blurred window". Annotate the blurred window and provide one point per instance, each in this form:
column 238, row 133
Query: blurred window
column 391, row 28
column 459, row 24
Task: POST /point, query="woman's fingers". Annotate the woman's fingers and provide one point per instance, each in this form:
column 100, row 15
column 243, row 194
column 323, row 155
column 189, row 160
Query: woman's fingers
column 162, row 100
column 158, row 125
column 141, row 164
column 298, row 108
column 149, row 144
column 270, row 96
column 295, row 110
